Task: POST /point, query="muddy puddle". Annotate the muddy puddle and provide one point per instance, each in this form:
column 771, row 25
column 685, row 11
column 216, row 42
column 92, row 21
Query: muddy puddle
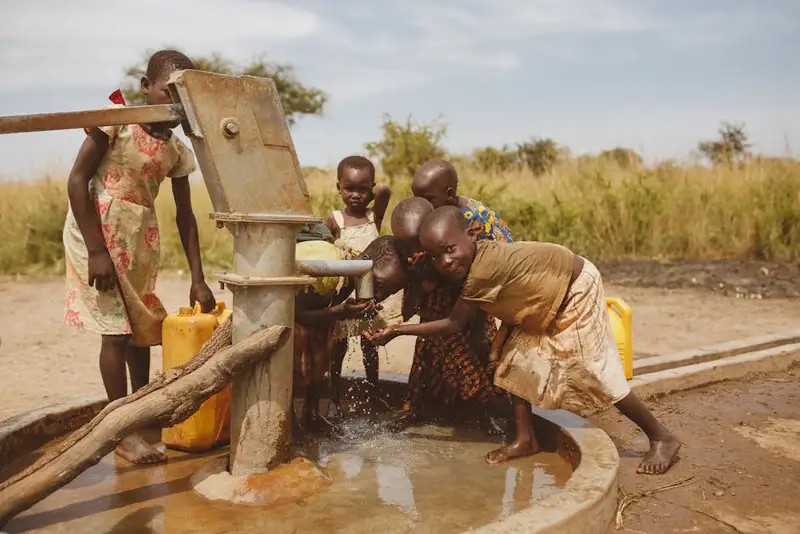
column 429, row 479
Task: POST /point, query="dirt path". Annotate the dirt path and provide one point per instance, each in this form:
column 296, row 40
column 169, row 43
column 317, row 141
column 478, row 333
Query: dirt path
column 742, row 449
column 44, row 362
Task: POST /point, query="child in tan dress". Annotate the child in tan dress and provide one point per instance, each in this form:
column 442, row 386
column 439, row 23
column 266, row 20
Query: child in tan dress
column 555, row 347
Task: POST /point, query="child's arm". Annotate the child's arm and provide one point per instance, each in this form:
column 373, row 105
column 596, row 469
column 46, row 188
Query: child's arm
column 307, row 314
column 345, row 292
column 382, row 194
column 499, row 341
column 330, row 222
column 187, row 228
column 101, row 269
column 459, row 319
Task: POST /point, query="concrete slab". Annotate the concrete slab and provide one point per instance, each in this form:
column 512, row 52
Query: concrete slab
column 702, row 374
column 714, row 352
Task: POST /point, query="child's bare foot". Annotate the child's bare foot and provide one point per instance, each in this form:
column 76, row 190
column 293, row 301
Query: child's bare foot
column 137, row 451
column 660, row 457
column 404, row 421
column 517, row 449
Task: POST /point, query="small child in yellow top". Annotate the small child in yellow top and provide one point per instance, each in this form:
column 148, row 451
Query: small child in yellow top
column 555, row 347
column 355, row 228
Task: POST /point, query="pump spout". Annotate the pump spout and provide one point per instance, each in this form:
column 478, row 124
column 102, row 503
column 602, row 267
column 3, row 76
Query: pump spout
column 361, row 270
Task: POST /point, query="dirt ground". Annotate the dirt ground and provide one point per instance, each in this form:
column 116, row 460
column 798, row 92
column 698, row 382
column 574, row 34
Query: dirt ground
column 741, row 439
column 43, row 361
column 734, row 278
column 741, row 453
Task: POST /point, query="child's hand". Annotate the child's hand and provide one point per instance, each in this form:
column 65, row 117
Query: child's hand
column 381, row 337
column 354, row 308
column 101, row 271
column 200, row 292
column 498, row 342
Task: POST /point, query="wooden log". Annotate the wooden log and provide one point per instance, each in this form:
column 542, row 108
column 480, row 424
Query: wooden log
column 171, row 398
column 92, row 118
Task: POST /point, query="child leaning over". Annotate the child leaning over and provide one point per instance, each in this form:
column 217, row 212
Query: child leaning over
column 555, row 346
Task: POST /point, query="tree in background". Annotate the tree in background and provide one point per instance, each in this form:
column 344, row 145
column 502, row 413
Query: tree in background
column 732, row 147
column 497, row 160
column 297, row 99
column 540, row 155
column 404, row 146
column 624, row 158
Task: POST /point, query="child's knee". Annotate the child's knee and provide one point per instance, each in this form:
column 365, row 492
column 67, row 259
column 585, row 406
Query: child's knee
column 116, row 342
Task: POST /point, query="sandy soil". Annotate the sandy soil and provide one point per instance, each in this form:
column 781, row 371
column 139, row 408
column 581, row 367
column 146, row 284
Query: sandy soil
column 741, row 451
column 43, row 362
column 742, row 279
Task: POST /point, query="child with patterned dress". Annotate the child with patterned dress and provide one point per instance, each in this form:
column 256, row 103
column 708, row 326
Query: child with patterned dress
column 355, row 228
column 555, row 348
column 112, row 244
column 452, row 368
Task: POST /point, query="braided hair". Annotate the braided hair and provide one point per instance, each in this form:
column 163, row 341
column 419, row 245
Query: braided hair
column 382, row 252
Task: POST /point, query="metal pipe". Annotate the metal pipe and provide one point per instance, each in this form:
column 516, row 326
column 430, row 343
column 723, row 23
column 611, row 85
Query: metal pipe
column 361, row 270
column 72, row 120
column 364, row 286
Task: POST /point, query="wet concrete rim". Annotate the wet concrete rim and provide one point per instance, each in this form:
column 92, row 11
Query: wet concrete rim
column 585, row 504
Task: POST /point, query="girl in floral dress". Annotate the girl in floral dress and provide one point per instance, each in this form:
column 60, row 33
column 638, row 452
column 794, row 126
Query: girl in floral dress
column 112, row 244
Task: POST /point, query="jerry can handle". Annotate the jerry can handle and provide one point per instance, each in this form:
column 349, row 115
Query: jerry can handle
column 198, row 308
column 621, row 308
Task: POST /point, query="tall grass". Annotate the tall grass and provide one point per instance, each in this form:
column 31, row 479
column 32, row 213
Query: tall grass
column 595, row 208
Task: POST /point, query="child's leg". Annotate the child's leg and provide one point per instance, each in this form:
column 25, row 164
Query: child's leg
column 138, row 359
column 338, row 352
column 320, row 358
column 525, row 443
column 114, row 352
column 370, row 358
column 664, row 446
column 312, row 419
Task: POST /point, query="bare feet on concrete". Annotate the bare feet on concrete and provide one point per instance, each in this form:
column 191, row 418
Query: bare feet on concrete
column 137, row 451
column 516, row 449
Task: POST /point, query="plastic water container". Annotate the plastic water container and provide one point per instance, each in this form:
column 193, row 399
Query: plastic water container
column 621, row 319
column 184, row 334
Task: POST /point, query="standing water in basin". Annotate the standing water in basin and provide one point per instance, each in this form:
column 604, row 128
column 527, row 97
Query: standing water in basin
column 431, row 479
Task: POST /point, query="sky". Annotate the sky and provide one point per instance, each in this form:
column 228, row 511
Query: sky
column 653, row 75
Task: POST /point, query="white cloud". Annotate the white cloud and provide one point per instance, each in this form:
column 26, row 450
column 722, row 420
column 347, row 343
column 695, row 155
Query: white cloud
column 358, row 83
column 87, row 42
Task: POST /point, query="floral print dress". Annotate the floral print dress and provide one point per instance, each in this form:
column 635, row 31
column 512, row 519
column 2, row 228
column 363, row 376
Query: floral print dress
column 486, row 222
column 123, row 191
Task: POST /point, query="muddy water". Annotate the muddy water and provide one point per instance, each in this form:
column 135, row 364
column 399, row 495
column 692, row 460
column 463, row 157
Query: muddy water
column 431, row 479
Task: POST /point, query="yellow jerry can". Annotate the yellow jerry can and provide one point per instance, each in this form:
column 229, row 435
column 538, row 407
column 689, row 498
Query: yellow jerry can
column 183, row 336
column 621, row 319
